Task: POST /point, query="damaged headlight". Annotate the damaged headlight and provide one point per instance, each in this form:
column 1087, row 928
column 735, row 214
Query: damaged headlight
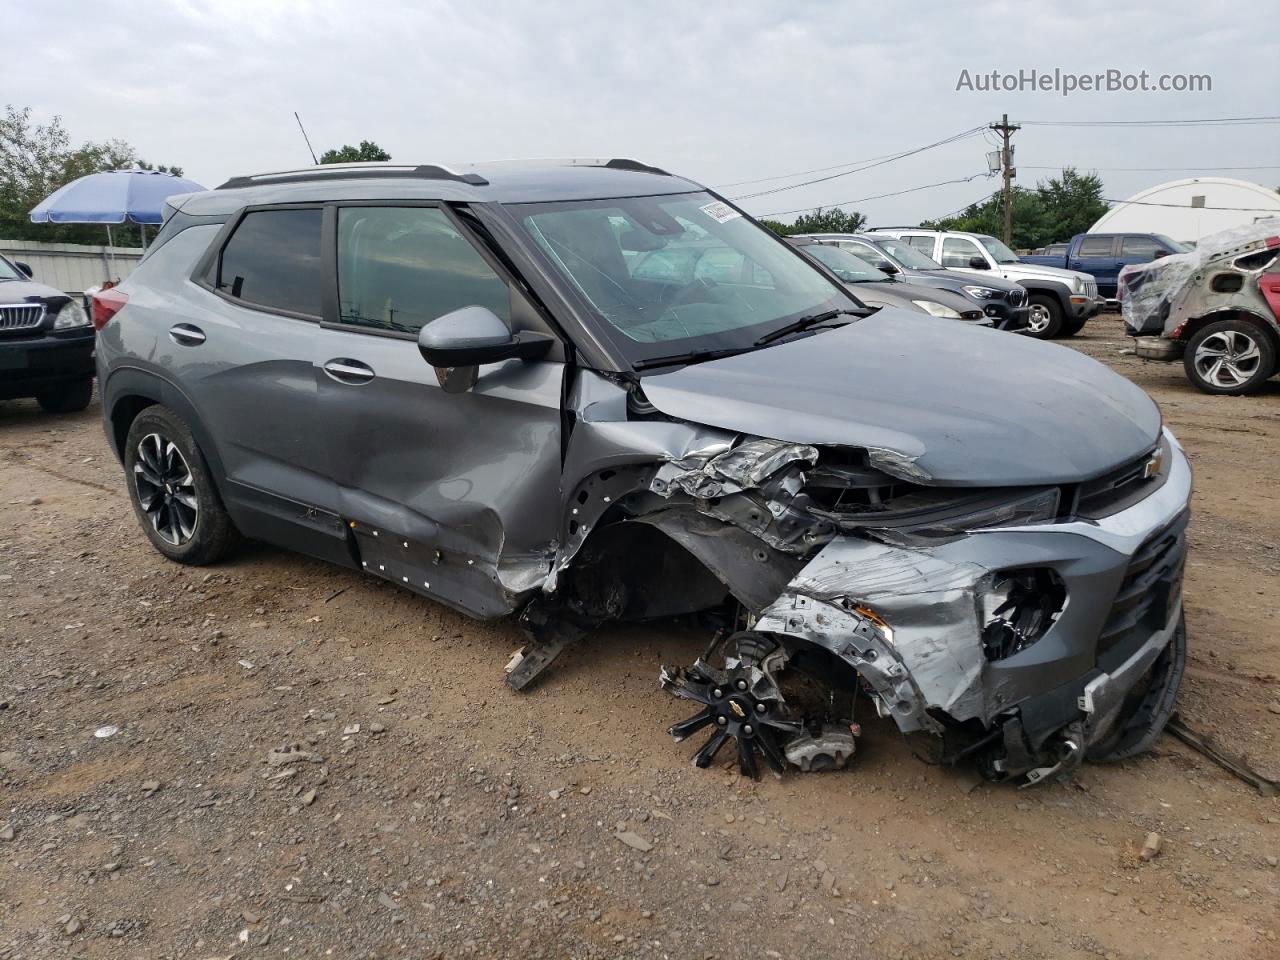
column 859, row 496
column 1018, row 608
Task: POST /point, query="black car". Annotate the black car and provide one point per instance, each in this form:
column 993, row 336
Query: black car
column 1004, row 301
column 46, row 343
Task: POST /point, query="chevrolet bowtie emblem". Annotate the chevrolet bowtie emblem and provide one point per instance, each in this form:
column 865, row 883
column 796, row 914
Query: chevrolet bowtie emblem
column 737, row 709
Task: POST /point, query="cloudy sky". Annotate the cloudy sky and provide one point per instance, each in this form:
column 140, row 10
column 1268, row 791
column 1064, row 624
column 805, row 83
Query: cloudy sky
column 722, row 92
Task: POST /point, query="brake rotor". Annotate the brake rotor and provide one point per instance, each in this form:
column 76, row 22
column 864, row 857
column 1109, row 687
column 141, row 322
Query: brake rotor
column 741, row 702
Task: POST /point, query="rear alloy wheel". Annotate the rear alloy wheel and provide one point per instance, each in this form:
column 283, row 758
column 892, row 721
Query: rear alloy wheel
column 1230, row 357
column 71, row 398
column 1044, row 320
column 172, row 492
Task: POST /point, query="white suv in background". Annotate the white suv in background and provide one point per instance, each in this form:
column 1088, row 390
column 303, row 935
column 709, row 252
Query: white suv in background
column 1061, row 300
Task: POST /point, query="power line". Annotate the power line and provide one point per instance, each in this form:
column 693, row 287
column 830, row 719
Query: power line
column 802, row 173
column 973, row 131
column 1207, row 121
column 878, row 196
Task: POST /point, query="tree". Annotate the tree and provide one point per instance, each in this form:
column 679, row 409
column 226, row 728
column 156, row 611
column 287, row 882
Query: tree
column 36, row 159
column 1072, row 204
column 833, row 220
column 1057, row 209
column 776, row 226
column 368, row 150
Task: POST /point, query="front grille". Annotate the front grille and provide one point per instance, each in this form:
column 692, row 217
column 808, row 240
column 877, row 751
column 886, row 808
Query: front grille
column 1124, row 486
column 21, row 316
column 1015, row 297
column 1142, row 604
column 1090, row 288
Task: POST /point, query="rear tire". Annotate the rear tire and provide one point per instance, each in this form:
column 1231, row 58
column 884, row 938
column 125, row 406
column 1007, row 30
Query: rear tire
column 1045, row 320
column 70, row 398
column 1230, row 358
column 172, row 491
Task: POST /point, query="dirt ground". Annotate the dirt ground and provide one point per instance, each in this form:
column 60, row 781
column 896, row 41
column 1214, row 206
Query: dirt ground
column 437, row 814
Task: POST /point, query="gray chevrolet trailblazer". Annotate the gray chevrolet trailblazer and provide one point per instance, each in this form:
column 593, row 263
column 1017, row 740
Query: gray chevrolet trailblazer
column 575, row 392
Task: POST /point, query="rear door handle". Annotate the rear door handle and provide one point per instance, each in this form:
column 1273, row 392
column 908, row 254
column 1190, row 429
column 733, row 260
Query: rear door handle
column 187, row 335
column 345, row 370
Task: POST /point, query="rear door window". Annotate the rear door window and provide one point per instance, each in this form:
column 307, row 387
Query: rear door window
column 399, row 268
column 272, row 261
column 1096, row 247
column 923, row 244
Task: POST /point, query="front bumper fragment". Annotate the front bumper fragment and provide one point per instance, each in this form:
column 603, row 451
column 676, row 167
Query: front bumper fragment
column 907, row 618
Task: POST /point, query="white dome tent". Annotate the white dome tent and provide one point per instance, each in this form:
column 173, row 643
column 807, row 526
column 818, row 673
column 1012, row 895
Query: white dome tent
column 1189, row 209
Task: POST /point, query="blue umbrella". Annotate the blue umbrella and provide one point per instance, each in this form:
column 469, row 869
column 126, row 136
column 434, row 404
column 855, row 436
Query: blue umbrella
column 113, row 197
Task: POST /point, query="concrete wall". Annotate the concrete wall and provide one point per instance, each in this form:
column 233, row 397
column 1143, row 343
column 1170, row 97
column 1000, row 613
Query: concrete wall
column 72, row 267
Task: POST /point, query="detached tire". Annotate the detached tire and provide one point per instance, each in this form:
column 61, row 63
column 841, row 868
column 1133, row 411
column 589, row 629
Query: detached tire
column 1046, row 318
column 71, row 398
column 1230, row 357
column 172, row 491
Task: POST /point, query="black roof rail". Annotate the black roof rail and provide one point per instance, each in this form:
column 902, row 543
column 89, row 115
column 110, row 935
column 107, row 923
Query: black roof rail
column 343, row 171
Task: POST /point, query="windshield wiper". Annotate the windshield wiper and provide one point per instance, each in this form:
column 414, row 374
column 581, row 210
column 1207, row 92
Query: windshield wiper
column 691, row 356
column 804, row 323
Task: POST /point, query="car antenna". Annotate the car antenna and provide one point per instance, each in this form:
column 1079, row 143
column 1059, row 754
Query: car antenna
column 306, row 138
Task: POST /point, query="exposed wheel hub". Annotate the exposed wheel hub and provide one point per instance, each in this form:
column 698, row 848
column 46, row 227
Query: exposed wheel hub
column 741, row 703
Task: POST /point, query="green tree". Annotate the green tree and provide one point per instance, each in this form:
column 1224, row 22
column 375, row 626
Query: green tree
column 36, row 159
column 1072, row 204
column 368, row 150
column 776, row 226
column 1057, row 209
column 830, row 220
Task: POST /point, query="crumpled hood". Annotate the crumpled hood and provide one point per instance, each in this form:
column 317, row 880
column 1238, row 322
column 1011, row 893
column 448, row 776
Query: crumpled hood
column 970, row 406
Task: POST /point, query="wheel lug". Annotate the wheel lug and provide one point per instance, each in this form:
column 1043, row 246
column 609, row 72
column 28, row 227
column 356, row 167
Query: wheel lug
column 747, row 728
column 742, row 684
column 721, row 721
column 761, row 708
column 717, row 692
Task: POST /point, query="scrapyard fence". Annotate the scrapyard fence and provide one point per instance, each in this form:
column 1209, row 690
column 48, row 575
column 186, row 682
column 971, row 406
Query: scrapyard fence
column 73, row 267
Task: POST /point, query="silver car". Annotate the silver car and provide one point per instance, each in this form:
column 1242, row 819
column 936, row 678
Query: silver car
column 512, row 388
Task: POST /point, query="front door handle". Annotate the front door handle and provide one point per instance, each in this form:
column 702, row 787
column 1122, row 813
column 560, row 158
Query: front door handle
column 186, row 335
column 345, row 370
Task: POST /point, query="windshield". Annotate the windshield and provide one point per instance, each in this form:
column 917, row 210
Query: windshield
column 9, row 272
column 999, row 252
column 907, row 255
column 676, row 273
column 845, row 265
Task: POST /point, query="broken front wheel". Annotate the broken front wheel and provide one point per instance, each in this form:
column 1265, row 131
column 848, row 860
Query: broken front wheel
column 764, row 700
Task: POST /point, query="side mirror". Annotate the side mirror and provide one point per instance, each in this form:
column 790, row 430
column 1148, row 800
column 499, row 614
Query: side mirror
column 884, row 266
column 24, row 267
column 978, row 263
column 457, row 343
column 1159, row 253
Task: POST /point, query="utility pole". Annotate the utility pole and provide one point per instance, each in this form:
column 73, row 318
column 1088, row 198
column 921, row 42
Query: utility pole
column 1005, row 129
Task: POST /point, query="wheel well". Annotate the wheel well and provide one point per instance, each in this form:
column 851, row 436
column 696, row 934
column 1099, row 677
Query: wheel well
column 123, row 414
column 1191, row 327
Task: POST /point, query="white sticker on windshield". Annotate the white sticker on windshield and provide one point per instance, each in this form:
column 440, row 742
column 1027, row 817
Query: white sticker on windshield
column 720, row 212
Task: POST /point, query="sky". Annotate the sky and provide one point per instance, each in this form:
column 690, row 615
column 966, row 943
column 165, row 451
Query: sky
column 719, row 92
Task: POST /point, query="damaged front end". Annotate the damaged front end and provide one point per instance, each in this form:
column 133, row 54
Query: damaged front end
column 1024, row 628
